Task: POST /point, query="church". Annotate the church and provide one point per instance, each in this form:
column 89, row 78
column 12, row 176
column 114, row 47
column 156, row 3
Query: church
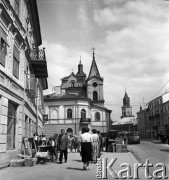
column 77, row 102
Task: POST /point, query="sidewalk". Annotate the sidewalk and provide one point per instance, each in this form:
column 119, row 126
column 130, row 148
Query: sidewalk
column 72, row 170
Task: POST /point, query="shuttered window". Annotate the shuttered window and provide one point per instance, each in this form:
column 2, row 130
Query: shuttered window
column 3, row 47
column 16, row 62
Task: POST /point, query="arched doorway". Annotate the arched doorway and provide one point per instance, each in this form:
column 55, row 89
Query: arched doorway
column 69, row 131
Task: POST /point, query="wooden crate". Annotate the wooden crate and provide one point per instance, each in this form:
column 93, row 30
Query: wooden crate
column 17, row 162
column 30, row 162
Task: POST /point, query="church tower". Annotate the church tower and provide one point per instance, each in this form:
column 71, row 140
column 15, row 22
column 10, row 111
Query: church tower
column 126, row 108
column 95, row 84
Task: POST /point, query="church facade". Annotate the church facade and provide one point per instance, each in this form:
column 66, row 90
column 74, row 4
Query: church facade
column 78, row 102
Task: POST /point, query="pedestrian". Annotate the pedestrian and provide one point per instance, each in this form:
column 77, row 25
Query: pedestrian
column 63, row 146
column 95, row 145
column 56, row 148
column 51, row 144
column 100, row 143
column 70, row 143
column 125, row 139
column 86, row 147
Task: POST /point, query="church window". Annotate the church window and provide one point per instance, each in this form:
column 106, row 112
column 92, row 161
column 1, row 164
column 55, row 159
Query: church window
column 72, row 84
column 97, row 116
column 83, row 113
column 95, row 96
column 69, row 113
column 94, row 84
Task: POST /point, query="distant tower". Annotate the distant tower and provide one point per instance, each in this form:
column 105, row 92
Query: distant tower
column 126, row 108
column 95, row 84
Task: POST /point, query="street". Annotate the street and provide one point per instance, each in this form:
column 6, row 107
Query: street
column 72, row 169
column 156, row 153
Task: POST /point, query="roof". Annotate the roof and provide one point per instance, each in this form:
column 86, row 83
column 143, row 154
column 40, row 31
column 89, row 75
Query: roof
column 66, row 96
column 67, row 77
column 126, row 120
column 94, row 70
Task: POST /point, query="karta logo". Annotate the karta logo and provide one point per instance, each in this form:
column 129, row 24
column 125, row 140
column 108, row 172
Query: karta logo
column 125, row 170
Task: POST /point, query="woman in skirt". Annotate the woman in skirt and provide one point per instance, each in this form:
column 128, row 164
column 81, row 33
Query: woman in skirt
column 86, row 147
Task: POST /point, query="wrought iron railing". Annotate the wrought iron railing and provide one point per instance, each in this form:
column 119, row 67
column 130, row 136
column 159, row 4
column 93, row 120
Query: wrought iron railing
column 38, row 54
column 85, row 120
column 69, row 121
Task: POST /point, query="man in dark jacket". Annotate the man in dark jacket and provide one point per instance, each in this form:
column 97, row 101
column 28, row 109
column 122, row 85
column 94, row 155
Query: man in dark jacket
column 63, row 145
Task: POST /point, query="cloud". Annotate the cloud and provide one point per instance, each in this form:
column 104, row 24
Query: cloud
column 132, row 49
column 135, row 51
column 61, row 61
column 83, row 19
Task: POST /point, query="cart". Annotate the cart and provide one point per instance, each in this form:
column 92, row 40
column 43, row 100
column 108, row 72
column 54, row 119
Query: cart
column 43, row 154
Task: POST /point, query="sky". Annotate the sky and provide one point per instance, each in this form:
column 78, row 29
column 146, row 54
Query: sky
column 131, row 40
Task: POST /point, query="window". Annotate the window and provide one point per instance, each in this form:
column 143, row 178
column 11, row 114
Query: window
column 16, row 62
column 11, row 125
column 16, row 7
column 94, row 84
column 97, row 116
column 72, row 84
column 83, row 114
column 54, row 114
column 3, row 53
column 95, row 96
column 69, row 113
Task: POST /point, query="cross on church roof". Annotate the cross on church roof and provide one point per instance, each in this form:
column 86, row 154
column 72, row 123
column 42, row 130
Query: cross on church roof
column 93, row 49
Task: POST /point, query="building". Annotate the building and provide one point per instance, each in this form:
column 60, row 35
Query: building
column 127, row 122
column 78, row 102
column 23, row 75
column 126, row 108
column 154, row 120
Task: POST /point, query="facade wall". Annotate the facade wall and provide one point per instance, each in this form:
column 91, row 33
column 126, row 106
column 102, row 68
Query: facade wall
column 16, row 36
column 154, row 120
column 77, row 106
column 99, row 89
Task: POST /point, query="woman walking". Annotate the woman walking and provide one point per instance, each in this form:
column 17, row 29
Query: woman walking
column 95, row 145
column 86, row 147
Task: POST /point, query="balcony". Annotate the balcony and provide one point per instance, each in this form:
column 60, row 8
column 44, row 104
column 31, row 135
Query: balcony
column 85, row 120
column 38, row 61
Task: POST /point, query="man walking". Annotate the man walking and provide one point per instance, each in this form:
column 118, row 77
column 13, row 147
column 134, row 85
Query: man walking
column 63, row 145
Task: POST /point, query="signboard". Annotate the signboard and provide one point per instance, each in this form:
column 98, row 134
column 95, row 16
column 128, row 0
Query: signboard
column 45, row 118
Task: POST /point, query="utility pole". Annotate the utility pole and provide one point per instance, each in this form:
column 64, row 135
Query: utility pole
column 36, row 106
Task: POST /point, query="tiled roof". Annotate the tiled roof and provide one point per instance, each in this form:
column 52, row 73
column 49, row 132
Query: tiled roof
column 64, row 96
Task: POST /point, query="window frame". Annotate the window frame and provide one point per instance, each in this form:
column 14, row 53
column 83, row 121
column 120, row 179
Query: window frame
column 69, row 113
column 72, row 83
column 97, row 116
column 16, row 62
column 3, row 56
column 11, row 129
column 83, row 114
column 95, row 96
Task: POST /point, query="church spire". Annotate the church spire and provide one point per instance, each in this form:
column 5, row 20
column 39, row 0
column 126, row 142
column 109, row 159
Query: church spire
column 126, row 99
column 80, row 72
column 94, row 70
